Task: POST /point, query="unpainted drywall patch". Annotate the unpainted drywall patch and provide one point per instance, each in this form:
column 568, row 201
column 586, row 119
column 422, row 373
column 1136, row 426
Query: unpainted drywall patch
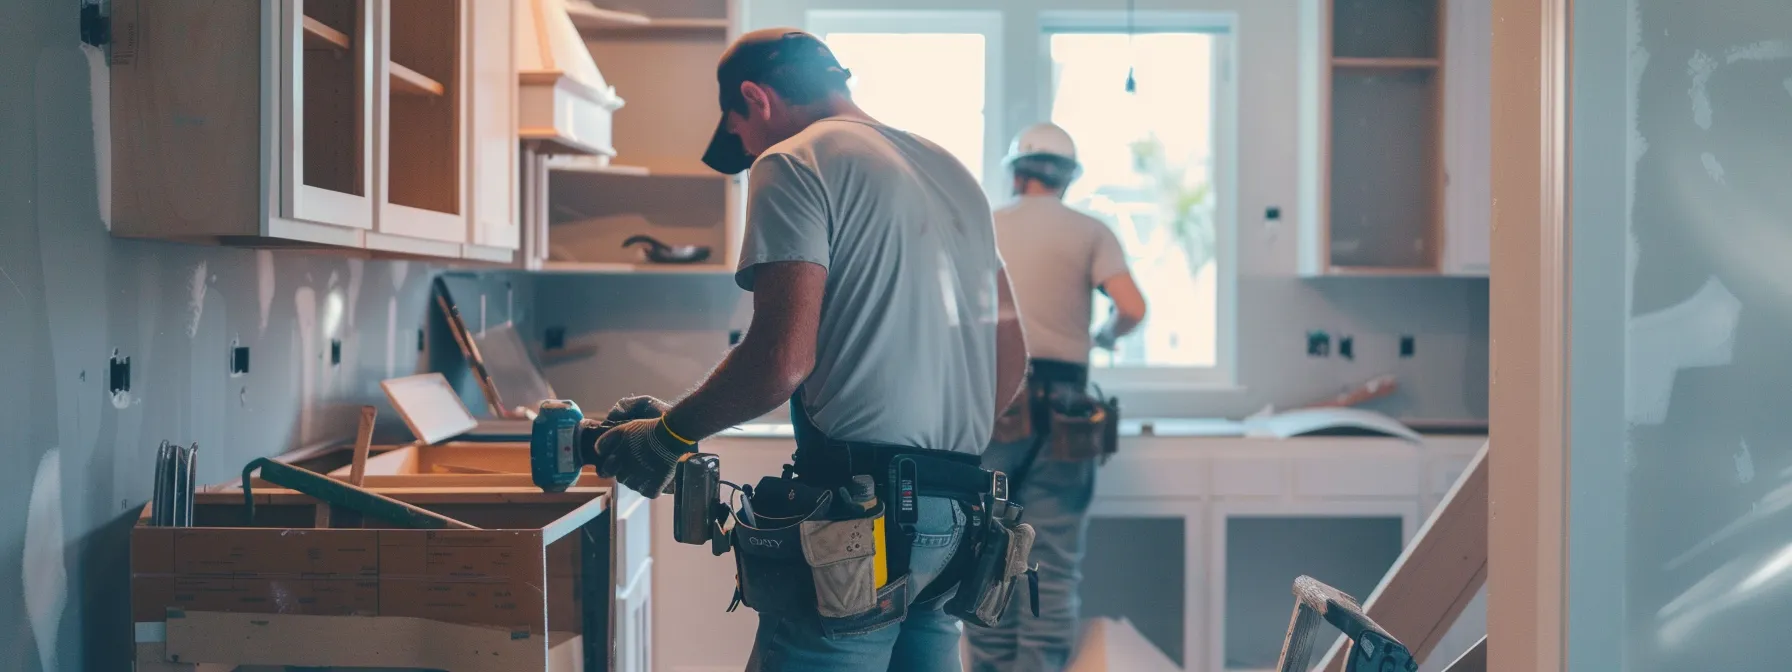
column 1697, row 332
column 392, row 337
column 45, row 569
column 356, row 268
column 1765, row 50
column 196, row 299
column 99, row 85
column 264, row 285
column 310, row 358
column 1745, row 463
column 1712, row 167
column 399, row 270
column 1700, row 68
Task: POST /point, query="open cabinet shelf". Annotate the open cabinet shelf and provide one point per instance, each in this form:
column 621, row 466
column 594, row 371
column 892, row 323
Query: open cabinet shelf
column 411, row 82
column 319, row 35
column 655, row 184
column 1396, row 168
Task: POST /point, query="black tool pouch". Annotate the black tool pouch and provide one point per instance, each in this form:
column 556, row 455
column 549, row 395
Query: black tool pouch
column 998, row 563
column 805, row 568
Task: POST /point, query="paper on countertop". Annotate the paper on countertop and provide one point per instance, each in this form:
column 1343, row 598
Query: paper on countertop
column 1307, row 421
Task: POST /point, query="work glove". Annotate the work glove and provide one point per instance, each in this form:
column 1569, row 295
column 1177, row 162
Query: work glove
column 636, row 408
column 641, row 455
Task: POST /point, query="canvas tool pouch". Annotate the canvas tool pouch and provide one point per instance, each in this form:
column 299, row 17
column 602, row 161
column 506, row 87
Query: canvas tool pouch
column 999, row 563
column 843, row 561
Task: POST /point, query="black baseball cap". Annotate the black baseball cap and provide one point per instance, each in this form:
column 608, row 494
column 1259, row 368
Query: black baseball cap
column 752, row 58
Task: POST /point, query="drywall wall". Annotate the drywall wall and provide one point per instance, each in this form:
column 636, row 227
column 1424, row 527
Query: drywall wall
column 659, row 334
column 75, row 458
column 1679, row 468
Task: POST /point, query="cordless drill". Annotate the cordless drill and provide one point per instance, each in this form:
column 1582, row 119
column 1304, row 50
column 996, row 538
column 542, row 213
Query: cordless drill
column 562, row 441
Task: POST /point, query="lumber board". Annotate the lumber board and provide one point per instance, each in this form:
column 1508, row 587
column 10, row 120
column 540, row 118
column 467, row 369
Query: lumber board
column 361, row 641
column 1437, row 575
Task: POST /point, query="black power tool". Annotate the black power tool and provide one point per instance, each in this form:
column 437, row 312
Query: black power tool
column 562, row 441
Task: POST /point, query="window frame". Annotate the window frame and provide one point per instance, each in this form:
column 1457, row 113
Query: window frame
column 987, row 23
column 1223, row 375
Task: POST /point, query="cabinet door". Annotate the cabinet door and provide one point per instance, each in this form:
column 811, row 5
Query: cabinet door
column 492, row 140
column 632, row 640
column 326, row 108
column 421, row 72
column 1468, row 147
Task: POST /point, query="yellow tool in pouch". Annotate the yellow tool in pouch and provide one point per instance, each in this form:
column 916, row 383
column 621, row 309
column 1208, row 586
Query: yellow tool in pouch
column 881, row 556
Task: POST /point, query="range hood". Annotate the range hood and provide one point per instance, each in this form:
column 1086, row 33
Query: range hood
column 563, row 104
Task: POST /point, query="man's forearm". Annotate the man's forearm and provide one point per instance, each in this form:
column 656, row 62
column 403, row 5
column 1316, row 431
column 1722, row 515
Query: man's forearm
column 1011, row 362
column 1119, row 324
column 740, row 389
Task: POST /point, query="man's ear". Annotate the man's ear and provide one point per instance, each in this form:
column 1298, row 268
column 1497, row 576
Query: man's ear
column 759, row 101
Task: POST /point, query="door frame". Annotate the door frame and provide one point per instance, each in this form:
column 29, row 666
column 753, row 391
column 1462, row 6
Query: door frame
column 1528, row 334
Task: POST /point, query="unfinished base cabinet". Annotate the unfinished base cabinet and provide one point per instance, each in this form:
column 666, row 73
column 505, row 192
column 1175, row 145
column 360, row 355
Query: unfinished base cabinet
column 381, row 125
column 276, row 588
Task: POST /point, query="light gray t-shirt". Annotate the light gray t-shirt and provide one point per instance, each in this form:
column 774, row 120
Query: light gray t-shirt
column 1056, row 258
column 907, row 346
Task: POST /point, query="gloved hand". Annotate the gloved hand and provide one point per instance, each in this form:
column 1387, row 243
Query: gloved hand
column 636, row 408
column 641, row 455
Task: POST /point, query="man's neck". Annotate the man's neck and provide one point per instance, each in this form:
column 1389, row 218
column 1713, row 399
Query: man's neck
column 836, row 107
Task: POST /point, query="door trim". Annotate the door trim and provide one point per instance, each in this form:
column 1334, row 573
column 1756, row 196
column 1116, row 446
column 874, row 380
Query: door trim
column 1528, row 331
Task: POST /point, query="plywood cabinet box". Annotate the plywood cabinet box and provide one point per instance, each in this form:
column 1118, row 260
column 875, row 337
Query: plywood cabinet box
column 526, row 592
column 387, row 126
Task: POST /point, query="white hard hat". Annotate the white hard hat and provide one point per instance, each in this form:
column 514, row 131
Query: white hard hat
column 1045, row 139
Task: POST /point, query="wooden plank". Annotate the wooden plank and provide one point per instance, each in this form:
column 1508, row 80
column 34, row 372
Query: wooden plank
column 522, row 494
column 353, row 641
column 363, row 443
column 1438, row 573
column 1473, row 660
column 411, row 82
column 320, row 36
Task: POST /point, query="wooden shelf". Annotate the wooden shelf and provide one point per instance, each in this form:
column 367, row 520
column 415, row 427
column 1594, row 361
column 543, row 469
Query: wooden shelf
column 321, row 36
column 584, row 164
column 591, row 18
column 411, row 82
column 1388, row 63
column 612, row 268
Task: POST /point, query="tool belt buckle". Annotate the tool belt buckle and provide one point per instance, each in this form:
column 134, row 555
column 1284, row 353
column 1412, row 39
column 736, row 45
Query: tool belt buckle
column 998, row 486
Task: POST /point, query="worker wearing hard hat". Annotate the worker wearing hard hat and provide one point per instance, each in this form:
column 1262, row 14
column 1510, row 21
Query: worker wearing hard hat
column 1057, row 258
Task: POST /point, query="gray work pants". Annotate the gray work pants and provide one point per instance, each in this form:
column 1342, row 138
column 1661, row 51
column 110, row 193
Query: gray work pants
column 1057, row 496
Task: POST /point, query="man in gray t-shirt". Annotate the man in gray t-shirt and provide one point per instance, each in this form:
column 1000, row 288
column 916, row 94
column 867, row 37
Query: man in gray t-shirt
column 1058, row 258
column 880, row 310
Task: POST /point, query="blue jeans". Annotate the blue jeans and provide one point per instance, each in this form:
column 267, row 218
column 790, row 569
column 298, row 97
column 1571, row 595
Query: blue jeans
column 1056, row 495
column 927, row 641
